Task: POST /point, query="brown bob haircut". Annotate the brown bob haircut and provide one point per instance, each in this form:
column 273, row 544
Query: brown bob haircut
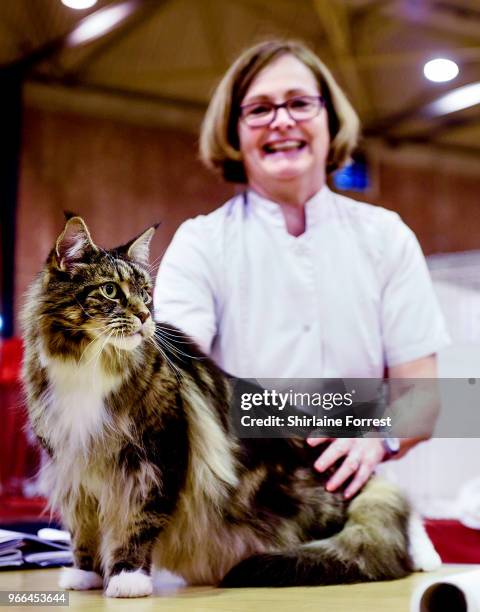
column 219, row 143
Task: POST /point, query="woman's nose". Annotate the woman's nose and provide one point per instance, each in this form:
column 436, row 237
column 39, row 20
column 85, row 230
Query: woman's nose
column 282, row 119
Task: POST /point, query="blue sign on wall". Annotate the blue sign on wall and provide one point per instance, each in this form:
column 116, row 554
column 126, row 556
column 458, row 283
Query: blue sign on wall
column 353, row 177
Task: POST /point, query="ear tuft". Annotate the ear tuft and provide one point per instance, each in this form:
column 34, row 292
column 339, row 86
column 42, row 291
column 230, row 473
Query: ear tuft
column 74, row 243
column 139, row 249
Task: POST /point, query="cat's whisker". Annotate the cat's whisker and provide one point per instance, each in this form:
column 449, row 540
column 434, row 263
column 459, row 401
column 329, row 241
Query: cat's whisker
column 154, row 263
column 78, row 328
column 167, row 332
column 173, row 348
column 102, row 332
column 175, row 339
column 176, row 372
column 100, row 351
column 83, row 309
column 168, row 347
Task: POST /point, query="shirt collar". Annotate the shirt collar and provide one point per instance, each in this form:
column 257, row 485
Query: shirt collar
column 317, row 208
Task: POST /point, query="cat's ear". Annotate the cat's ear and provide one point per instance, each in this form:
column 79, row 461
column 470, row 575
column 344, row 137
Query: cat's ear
column 74, row 243
column 139, row 248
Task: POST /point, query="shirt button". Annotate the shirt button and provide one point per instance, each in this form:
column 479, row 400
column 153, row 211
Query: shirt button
column 307, row 328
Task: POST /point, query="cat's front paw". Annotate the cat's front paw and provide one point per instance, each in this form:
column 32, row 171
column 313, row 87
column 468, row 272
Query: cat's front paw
column 75, row 579
column 129, row 584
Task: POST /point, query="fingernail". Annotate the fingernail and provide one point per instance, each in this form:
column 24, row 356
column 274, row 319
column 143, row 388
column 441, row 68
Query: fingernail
column 319, row 466
column 311, row 441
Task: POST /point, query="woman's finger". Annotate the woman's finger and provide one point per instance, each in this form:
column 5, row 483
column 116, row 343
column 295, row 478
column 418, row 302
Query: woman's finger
column 330, row 455
column 348, row 467
column 361, row 477
column 314, row 441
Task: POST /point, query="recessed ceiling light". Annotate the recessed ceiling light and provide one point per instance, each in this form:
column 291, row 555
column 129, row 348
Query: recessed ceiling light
column 440, row 70
column 456, row 100
column 101, row 22
column 79, row 4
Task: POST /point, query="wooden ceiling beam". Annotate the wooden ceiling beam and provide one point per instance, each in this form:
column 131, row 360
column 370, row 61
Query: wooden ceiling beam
column 333, row 17
column 446, row 19
column 373, row 60
column 436, row 128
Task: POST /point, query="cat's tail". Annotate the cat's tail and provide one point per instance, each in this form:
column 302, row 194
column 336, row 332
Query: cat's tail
column 373, row 545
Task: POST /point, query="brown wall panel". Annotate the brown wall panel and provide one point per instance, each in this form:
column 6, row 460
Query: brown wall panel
column 441, row 206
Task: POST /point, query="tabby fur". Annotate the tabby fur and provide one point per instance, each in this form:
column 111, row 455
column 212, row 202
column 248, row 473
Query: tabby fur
column 144, row 465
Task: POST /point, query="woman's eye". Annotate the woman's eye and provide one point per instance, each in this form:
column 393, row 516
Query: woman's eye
column 259, row 109
column 110, row 290
column 300, row 103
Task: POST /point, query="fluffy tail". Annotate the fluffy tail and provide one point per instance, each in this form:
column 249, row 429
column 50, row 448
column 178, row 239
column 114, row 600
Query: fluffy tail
column 373, row 545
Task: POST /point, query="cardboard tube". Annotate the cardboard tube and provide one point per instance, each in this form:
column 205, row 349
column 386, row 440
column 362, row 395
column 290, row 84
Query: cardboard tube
column 457, row 593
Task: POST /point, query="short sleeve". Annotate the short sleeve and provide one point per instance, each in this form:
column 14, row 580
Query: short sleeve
column 412, row 322
column 184, row 292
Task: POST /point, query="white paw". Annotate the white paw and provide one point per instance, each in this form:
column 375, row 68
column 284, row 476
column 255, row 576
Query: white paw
column 79, row 580
column 129, row 584
column 424, row 556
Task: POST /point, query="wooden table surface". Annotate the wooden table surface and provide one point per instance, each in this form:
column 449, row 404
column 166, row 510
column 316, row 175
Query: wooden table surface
column 391, row 596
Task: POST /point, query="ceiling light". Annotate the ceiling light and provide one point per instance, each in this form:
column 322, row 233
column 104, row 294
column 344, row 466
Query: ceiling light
column 456, row 100
column 99, row 23
column 79, row 4
column 440, row 70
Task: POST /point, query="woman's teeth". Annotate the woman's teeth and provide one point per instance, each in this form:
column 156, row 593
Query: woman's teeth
column 284, row 145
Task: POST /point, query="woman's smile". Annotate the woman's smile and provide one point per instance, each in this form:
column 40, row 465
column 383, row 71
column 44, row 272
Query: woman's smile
column 284, row 145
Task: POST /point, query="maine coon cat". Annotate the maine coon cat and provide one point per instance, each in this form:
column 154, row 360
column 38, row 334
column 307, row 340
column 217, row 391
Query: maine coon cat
column 144, row 465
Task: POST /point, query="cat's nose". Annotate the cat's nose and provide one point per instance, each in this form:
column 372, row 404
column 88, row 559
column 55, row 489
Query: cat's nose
column 143, row 316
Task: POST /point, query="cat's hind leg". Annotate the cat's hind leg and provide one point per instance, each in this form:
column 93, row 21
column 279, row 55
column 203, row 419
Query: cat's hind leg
column 373, row 545
column 424, row 556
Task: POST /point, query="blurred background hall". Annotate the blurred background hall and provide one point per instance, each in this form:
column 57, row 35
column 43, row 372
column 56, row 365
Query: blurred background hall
column 101, row 106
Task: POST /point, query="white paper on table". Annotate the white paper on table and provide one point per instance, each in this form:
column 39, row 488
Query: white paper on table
column 432, row 595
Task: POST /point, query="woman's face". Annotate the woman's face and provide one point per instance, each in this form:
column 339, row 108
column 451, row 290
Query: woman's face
column 286, row 153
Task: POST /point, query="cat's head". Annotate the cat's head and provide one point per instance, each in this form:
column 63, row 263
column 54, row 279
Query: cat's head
column 92, row 294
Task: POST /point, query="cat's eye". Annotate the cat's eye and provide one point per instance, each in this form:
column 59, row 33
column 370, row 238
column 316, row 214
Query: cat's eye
column 110, row 290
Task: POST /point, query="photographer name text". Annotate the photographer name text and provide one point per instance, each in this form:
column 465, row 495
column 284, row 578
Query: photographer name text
column 346, row 421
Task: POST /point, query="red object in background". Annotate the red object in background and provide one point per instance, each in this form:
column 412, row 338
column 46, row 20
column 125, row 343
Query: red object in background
column 454, row 542
column 11, row 352
column 19, row 456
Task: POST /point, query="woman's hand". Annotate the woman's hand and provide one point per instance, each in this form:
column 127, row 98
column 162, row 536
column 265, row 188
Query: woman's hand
column 362, row 455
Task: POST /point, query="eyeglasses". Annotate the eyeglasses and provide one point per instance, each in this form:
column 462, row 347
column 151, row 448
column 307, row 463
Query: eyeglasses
column 300, row 108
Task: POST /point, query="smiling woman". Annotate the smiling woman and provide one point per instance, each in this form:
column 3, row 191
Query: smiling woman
column 287, row 279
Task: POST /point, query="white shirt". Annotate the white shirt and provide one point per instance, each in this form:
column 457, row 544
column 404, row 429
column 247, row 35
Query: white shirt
column 345, row 299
